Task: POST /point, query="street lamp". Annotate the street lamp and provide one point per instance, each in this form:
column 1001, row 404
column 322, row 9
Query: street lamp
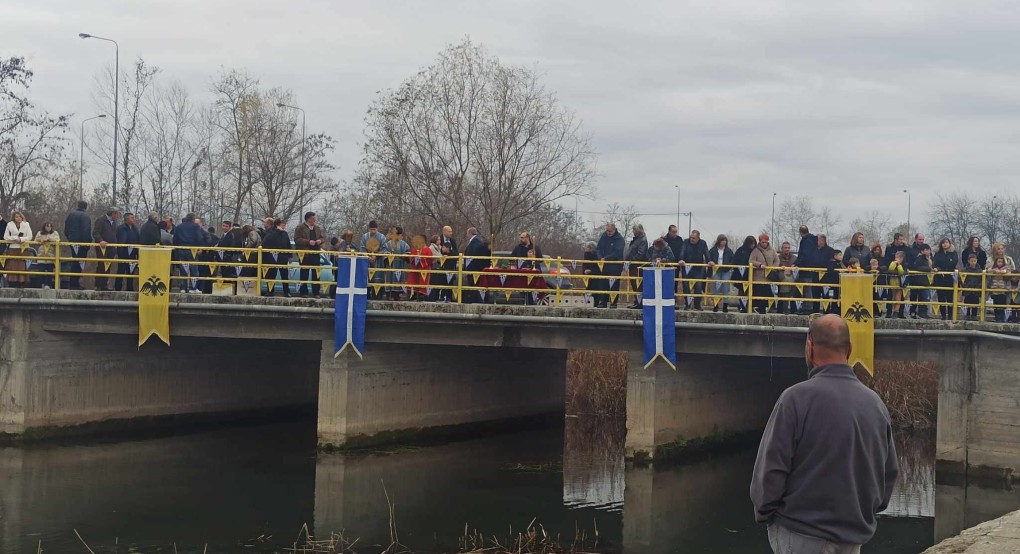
column 908, row 211
column 116, row 105
column 301, row 184
column 773, row 233
column 689, row 215
column 81, row 156
column 677, row 187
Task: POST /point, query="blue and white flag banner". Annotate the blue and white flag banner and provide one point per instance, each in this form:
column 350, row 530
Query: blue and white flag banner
column 351, row 304
column 659, row 311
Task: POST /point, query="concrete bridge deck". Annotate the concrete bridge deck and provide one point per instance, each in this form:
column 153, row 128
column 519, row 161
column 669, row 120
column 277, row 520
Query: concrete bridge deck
column 68, row 359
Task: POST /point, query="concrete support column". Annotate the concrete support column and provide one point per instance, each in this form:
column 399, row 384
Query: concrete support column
column 401, row 392
column 707, row 399
column 14, row 335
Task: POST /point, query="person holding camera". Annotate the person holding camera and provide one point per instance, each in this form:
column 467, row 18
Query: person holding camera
column 17, row 234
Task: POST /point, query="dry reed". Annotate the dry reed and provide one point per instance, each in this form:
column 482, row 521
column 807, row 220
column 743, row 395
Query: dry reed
column 597, row 383
column 910, row 391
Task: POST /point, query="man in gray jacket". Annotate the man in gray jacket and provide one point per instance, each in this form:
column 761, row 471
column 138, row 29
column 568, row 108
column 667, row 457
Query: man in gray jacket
column 827, row 463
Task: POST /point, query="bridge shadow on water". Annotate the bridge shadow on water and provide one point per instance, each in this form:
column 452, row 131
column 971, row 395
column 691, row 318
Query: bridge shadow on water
column 251, row 488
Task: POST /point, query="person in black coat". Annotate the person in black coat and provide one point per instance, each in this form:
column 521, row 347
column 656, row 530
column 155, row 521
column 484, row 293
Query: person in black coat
column 609, row 251
column 719, row 258
column 808, row 258
column 693, row 262
column 922, row 291
column 127, row 233
column 447, row 248
column 945, row 262
column 78, row 228
column 276, row 239
column 149, row 234
column 741, row 259
column 974, row 248
column 476, row 258
column 920, row 270
column 520, row 252
column 225, row 258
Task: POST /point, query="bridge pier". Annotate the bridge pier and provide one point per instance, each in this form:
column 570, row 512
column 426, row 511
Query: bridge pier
column 410, row 391
column 707, row 400
column 61, row 383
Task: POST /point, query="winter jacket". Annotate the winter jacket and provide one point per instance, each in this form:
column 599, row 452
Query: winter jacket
column 921, row 268
column 610, row 248
column 862, row 253
column 149, row 233
column 665, row 254
column 982, row 256
column 190, row 234
column 765, row 256
column 942, row 262
column 638, row 249
column 127, row 234
column 890, row 253
column 826, row 465
column 807, row 253
column 78, row 227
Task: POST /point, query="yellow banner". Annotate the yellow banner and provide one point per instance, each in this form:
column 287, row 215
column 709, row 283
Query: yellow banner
column 855, row 305
column 153, row 294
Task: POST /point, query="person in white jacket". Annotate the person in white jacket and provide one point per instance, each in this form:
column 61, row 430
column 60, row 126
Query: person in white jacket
column 17, row 234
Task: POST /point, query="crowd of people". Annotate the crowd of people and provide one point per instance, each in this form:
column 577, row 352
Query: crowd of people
column 910, row 278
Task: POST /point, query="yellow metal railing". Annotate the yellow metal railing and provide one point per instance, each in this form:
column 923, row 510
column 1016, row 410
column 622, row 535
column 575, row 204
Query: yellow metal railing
column 560, row 279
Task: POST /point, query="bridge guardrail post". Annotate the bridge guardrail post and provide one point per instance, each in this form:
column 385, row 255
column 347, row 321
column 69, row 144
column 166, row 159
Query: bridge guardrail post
column 258, row 270
column 984, row 296
column 56, row 267
column 956, row 294
column 460, row 278
column 750, row 288
column 559, row 279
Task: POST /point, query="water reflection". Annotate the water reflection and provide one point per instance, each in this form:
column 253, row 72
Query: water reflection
column 251, row 489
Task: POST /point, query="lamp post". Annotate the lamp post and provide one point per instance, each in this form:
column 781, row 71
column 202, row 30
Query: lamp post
column 116, row 105
column 908, row 211
column 81, row 156
column 991, row 239
column 773, row 232
column 689, row 215
column 677, row 187
column 301, row 183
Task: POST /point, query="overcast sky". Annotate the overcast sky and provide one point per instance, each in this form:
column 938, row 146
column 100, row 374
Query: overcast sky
column 731, row 101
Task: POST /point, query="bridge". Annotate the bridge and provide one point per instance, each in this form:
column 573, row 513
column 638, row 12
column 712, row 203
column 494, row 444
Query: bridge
column 69, row 364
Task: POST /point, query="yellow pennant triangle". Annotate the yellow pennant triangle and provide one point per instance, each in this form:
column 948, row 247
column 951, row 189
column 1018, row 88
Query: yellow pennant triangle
column 194, row 252
column 371, row 272
column 456, row 295
column 508, row 293
column 600, row 264
column 585, row 281
column 212, row 269
column 442, row 260
column 800, row 289
column 825, row 306
column 270, row 285
column 530, row 277
column 612, row 296
column 376, row 288
column 637, row 284
column 931, row 278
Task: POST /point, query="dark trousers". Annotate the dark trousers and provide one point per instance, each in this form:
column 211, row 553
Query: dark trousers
column 695, row 287
column 309, row 274
column 999, row 299
column 918, row 295
column 607, row 287
column 184, row 257
column 810, row 293
column 76, row 267
column 945, row 303
column 124, row 268
column 103, row 267
column 764, row 291
column 973, row 301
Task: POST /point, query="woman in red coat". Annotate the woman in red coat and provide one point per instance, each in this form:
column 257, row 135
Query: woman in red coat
column 421, row 263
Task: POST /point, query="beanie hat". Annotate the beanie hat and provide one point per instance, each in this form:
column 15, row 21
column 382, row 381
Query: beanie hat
column 763, row 237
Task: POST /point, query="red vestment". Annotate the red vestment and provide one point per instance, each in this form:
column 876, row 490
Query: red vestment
column 417, row 276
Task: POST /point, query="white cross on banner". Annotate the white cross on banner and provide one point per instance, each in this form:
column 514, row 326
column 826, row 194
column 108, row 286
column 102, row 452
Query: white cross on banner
column 350, row 305
column 659, row 315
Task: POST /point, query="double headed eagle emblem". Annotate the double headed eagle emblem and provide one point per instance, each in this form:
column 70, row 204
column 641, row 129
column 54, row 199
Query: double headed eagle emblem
column 153, row 287
column 857, row 313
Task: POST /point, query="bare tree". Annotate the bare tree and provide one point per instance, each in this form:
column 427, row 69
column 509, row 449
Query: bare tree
column 875, row 225
column 235, row 103
column 471, row 140
column 801, row 210
column 31, row 142
column 954, row 216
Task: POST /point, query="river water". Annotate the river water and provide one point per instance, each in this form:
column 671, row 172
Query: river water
column 250, row 489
